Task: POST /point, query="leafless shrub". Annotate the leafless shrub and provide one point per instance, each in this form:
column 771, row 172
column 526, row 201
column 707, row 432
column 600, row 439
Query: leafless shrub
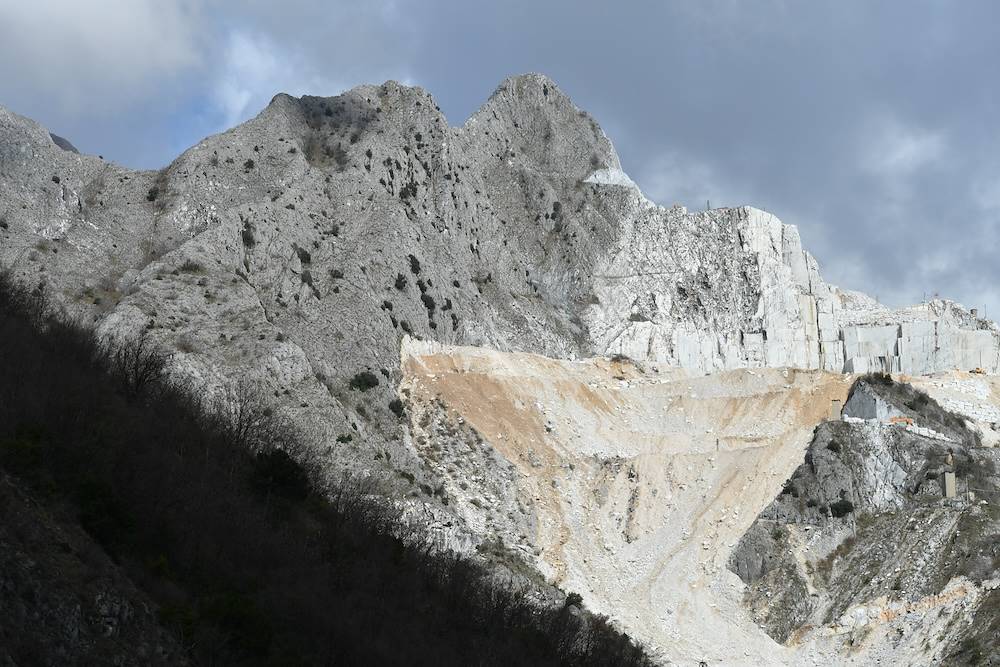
column 134, row 361
column 244, row 416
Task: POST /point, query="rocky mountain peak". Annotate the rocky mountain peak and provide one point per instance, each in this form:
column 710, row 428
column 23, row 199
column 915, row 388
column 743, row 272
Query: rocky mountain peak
column 529, row 115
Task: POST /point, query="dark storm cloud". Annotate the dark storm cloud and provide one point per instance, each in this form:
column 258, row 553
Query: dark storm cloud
column 868, row 125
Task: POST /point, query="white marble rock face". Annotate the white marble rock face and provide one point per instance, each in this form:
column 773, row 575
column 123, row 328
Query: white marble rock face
column 775, row 310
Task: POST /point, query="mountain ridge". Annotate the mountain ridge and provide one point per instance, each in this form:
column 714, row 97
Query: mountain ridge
column 516, row 230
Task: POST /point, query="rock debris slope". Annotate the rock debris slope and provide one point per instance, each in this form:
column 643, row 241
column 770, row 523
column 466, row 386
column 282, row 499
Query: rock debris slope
column 303, row 249
column 645, row 489
column 630, row 486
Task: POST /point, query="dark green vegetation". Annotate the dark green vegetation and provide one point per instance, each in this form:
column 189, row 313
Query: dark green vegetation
column 208, row 514
column 364, row 381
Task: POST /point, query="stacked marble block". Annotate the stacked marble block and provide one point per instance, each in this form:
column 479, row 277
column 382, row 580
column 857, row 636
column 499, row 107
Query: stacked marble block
column 918, row 348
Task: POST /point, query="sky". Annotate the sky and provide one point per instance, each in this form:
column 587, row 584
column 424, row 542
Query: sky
column 872, row 126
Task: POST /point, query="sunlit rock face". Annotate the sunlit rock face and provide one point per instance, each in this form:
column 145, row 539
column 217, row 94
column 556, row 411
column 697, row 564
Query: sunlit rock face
column 733, row 288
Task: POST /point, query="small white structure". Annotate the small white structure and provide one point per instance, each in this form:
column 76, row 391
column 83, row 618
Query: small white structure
column 949, row 484
column 864, row 403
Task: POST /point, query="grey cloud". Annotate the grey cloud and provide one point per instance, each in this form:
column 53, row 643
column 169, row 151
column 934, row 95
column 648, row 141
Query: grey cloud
column 89, row 58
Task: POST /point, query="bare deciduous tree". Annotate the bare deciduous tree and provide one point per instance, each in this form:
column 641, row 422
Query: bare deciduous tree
column 134, row 361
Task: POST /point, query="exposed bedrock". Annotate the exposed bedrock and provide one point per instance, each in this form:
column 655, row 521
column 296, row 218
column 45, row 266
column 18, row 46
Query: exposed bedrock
column 869, row 541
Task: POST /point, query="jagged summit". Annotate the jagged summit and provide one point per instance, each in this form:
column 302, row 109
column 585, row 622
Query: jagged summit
column 545, row 124
column 527, row 197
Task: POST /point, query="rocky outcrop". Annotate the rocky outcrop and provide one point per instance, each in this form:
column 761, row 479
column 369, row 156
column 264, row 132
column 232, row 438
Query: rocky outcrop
column 523, row 229
column 862, row 543
column 733, row 288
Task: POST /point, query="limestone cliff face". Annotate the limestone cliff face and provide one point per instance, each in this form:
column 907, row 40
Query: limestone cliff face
column 733, row 288
column 299, row 248
column 525, row 234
